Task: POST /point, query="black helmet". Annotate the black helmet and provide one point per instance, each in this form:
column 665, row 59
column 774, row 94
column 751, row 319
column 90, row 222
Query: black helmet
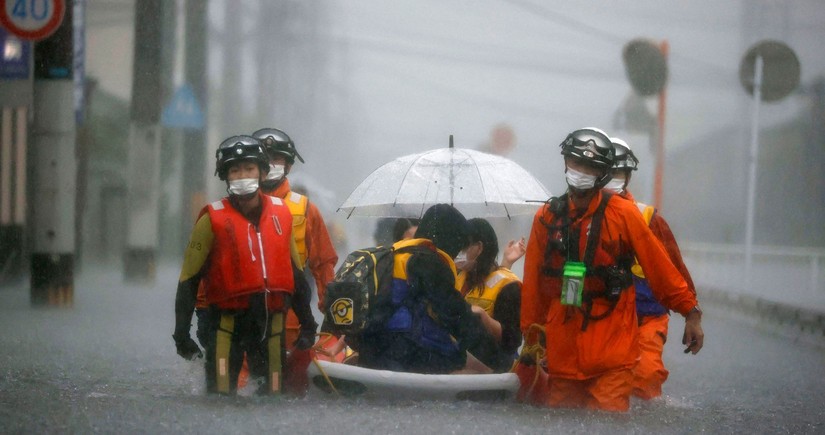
column 589, row 144
column 625, row 159
column 277, row 142
column 237, row 148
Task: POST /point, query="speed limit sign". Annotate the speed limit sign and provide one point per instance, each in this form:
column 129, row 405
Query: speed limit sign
column 32, row 19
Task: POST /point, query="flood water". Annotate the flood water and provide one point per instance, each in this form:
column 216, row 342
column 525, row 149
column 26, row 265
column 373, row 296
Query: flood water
column 109, row 365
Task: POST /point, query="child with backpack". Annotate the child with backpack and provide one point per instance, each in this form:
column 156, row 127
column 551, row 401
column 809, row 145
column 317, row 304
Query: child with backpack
column 407, row 315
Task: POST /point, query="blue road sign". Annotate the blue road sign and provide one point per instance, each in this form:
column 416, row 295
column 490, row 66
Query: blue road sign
column 183, row 111
column 14, row 58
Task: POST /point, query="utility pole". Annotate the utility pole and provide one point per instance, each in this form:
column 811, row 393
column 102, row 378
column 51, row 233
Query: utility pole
column 267, row 63
column 53, row 166
column 194, row 143
column 144, row 144
column 232, row 110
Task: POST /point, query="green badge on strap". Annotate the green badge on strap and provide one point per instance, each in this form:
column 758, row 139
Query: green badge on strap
column 572, row 283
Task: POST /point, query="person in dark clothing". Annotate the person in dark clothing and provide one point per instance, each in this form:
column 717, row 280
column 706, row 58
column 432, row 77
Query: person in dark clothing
column 422, row 324
column 383, row 232
column 493, row 291
column 404, row 229
column 391, row 230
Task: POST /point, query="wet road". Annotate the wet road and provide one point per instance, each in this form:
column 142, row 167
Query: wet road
column 109, row 365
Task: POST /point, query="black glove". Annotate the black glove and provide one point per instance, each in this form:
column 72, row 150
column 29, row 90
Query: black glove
column 184, row 307
column 306, row 339
column 187, row 348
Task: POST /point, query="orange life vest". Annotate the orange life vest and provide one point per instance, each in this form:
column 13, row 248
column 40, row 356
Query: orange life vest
column 244, row 259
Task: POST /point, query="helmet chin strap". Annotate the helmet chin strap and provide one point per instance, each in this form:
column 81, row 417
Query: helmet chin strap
column 603, row 180
column 270, row 185
column 579, row 193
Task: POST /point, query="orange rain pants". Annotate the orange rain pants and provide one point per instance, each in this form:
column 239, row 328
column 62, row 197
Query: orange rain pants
column 591, row 365
column 650, row 372
column 321, row 257
column 607, row 392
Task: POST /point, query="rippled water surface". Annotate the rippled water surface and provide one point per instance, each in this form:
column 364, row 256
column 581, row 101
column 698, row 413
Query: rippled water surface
column 109, row 365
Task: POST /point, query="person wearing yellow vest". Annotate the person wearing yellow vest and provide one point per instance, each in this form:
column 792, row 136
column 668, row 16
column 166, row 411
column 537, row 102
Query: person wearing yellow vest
column 493, row 291
column 422, row 324
column 649, row 373
column 315, row 246
column 241, row 252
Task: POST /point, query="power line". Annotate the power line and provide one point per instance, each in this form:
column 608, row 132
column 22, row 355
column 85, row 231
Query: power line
column 472, row 98
column 587, row 29
column 561, row 68
column 565, row 21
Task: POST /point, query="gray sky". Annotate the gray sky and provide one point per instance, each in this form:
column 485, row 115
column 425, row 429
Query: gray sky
column 413, row 73
column 424, row 70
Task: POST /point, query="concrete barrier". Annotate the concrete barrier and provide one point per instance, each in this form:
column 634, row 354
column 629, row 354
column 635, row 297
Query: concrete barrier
column 796, row 323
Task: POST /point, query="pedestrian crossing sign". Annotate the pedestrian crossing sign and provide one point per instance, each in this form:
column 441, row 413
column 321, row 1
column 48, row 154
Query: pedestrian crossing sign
column 183, row 111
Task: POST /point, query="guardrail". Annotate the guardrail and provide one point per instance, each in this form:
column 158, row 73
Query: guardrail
column 791, row 276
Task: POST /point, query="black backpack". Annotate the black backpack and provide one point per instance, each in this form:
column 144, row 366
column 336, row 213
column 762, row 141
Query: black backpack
column 360, row 285
column 364, row 274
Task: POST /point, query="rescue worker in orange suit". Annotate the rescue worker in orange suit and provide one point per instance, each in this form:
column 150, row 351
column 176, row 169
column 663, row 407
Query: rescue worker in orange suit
column 243, row 251
column 650, row 373
column 315, row 246
column 493, row 291
column 577, row 282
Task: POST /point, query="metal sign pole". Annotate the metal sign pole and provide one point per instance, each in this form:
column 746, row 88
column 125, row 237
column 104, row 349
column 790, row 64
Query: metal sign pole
column 452, row 180
column 754, row 154
column 660, row 136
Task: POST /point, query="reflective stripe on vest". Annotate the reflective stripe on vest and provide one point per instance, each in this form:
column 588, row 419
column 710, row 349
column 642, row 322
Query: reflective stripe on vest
column 486, row 297
column 298, row 205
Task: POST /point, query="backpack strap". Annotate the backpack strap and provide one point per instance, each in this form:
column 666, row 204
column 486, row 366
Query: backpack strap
column 383, row 271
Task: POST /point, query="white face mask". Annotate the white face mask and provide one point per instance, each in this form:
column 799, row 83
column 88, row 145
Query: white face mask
column 615, row 185
column 276, row 172
column 579, row 180
column 460, row 259
column 244, row 186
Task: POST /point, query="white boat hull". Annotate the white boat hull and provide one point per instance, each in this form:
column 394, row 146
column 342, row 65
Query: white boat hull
column 359, row 381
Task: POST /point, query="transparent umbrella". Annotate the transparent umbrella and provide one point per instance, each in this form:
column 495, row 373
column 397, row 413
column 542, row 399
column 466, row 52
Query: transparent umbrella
column 476, row 183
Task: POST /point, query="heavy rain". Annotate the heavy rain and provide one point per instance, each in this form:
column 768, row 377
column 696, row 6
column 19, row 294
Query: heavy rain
column 112, row 112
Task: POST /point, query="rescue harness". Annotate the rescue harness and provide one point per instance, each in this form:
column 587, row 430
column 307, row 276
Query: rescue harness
column 616, row 277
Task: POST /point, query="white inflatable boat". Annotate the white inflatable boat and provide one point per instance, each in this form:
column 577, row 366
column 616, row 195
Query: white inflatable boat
column 358, row 381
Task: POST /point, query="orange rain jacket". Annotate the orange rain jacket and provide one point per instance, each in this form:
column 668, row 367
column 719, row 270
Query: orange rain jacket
column 321, row 255
column 610, row 343
column 650, row 372
column 663, row 233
